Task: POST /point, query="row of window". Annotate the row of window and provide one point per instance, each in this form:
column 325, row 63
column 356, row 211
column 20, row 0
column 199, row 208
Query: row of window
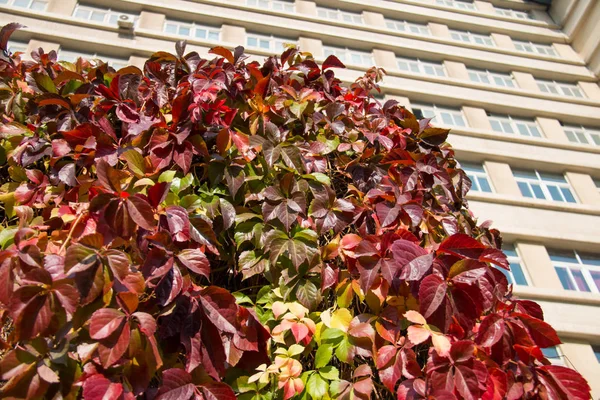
column 577, row 271
column 487, row 77
column 111, row 16
column 505, row 124
column 531, row 183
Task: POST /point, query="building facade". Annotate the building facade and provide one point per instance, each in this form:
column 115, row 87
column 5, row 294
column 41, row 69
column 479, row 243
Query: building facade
column 516, row 81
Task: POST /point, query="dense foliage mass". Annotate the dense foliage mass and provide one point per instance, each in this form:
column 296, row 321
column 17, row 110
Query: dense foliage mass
column 212, row 229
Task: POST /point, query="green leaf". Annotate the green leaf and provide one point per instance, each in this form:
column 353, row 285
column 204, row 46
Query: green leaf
column 308, row 294
column 332, row 335
column 44, row 82
column 7, row 237
column 135, row 162
column 167, row 176
column 250, row 264
column 316, row 386
column 323, row 356
column 330, row 372
column 345, row 351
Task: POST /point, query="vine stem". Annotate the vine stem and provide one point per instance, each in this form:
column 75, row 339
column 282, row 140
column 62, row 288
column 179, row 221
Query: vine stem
column 70, row 235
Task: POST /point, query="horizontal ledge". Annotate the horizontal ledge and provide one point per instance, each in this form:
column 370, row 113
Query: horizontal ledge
column 557, row 295
column 499, row 198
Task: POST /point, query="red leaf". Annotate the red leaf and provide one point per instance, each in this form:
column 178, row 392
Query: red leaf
column 118, row 262
column 146, row 322
column 332, row 62
column 220, row 307
column 564, row 383
column 542, row 334
column 495, row 256
column 111, row 350
column 158, row 193
column 496, row 385
column 127, row 113
column 463, row 246
column 5, row 33
column 490, row 331
column 217, row 391
column 432, row 293
column 104, row 322
column 466, row 383
column 415, row 260
column 176, row 385
column 195, row 261
column 141, row 212
column 97, row 387
column 223, row 52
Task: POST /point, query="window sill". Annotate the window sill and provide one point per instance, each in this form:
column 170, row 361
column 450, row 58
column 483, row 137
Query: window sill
column 504, row 199
column 557, row 295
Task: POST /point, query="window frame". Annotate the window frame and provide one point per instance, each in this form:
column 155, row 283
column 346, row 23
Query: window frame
column 508, row 249
column 272, row 39
column 543, row 184
column 338, row 51
column 408, row 27
column 107, row 17
column 509, row 12
column 340, row 14
column 535, row 47
column 513, row 122
column 421, row 66
column 477, row 172
column 193, row 28
column 271, row 3
column 586, row 270
column 591, row 135
column 74, row 55
column 560, row 88
column 438, row 111
column 560, row 357
column 19, row 45
column 455, row 4
column 596, row 351
column 472, row 38
column 29, row 4
column 491, row 77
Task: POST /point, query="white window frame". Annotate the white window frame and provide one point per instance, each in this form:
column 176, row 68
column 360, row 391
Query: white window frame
column 596, row 351
column 560, row 88
column 464, row 5
column 34, row 5
column 418, row 66
column 349, row 56
column 519, row 126
column 15, row 46
column 276, row 44
column 73, row 55
column 586, row 269
column 492, row 78
column 477, row 173
column 582, row 135
column 509, row 248
column 473, row 38
column 535, row 48
column 509, row 12
column 193, row 29
column 108, row 12
column 559, row 359
column 274, row 5
column 544, row 181
column 437, row 114
column 409, row 27
column 335, row 14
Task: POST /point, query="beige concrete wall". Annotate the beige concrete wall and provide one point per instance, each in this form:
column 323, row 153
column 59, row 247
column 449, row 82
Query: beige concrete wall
column 502, row 178
column 539, row 266
column 581, row 356
column 503, row 41
column 456, row 70
column 306, row 7
column 65, row 7
column 552, row 129
column 525, row 81
column 585, row 190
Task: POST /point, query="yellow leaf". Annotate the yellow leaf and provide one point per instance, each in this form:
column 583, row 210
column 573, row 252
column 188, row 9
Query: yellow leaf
column 341, row 319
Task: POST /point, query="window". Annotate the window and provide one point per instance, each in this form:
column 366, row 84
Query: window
column 576, row 270
column 347, row 55
column 191, row 29
column 535, row 48
column 554, row 355
column 340, row 15
column 596, row 350
column 420, row 67
column 511, row 125
column 72, row 56
column 491, row 78
column 100, row 15
column 404, row 26
column 268, row 43
column 478, row 176
column 465, row 5
column 440, row 115
column 579, row 134
column 546, row 186
column 515, row 276
column 14, row 46
column 36, row 5
column 507, row 12
column 475, row 38
column 275, row 5
column 560, row 88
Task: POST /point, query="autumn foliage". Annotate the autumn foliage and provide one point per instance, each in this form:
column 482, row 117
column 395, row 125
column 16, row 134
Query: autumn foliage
column 218, row 228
